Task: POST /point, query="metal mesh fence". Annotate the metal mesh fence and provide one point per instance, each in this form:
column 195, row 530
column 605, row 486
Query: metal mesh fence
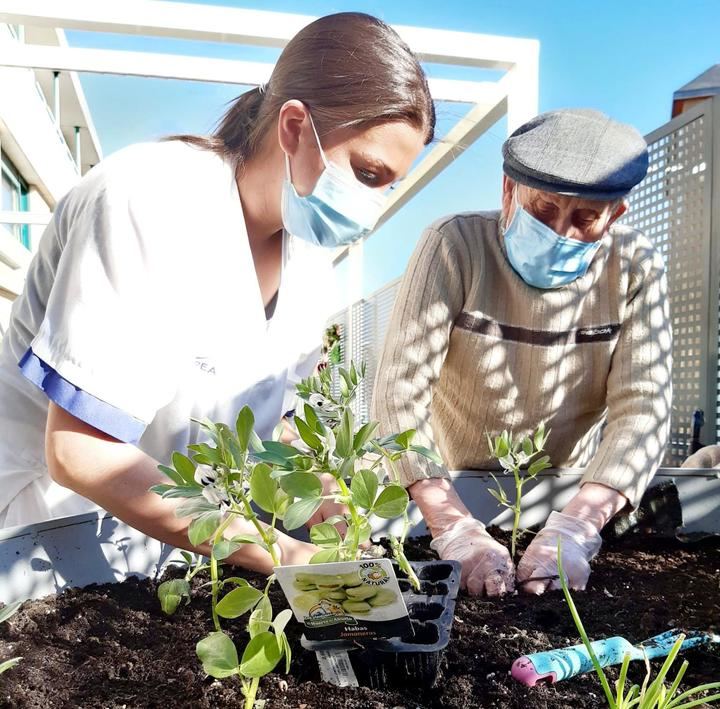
column 671, row 206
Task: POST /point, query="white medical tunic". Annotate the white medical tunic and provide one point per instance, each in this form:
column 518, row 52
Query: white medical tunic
column 141, row 311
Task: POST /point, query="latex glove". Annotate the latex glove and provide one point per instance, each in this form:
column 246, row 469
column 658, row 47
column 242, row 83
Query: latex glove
column 707, row 457
column 486, row 564
column 580, row 543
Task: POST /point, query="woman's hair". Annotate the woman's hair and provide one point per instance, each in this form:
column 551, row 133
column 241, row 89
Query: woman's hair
column 350, row 69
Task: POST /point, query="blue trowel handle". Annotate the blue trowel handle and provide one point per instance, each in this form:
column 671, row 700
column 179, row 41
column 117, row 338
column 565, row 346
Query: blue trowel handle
column 554, row 665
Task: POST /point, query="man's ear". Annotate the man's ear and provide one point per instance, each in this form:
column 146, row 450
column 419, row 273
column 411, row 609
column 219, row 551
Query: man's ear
column 291, row 119
column 619, row 210
column 507, row 192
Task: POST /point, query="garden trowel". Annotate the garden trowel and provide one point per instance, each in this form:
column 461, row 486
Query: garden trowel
column 554, row 665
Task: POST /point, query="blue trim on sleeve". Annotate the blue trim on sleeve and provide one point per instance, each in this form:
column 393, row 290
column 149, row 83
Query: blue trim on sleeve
column 86, row 407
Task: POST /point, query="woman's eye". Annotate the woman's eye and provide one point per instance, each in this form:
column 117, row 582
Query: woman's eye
column 365, row 176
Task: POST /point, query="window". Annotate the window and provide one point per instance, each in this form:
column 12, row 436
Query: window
column 13, row 198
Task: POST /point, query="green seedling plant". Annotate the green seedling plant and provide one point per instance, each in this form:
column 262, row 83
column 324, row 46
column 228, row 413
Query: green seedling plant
column 5, row 614
column 171, row 593
column 235, row 476
column 652, row 693
column 361, row 467
column 519, row 457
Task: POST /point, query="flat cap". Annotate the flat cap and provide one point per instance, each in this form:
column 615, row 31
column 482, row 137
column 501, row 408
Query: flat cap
column 577, row 152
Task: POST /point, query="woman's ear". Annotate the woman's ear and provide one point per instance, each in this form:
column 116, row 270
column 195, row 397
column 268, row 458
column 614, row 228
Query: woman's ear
column 291, row 119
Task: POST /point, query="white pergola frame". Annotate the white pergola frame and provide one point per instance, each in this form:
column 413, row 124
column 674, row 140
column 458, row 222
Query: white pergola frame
column 515, row 94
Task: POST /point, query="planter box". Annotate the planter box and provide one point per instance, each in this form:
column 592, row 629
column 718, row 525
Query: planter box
column 41, row 559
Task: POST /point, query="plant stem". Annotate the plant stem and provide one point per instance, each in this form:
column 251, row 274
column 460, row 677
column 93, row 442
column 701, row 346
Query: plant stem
column 252, row 693
column 250, row 515
column 355, row 545
column 214, row 576
column 517, row 507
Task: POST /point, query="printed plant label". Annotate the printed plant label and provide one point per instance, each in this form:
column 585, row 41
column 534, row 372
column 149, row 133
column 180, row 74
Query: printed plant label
column 346, row 599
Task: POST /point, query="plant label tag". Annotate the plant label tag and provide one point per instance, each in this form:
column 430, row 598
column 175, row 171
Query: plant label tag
column 335, row 667
column 346, row 599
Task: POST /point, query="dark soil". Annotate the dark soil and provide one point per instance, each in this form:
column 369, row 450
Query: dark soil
column 110, row 646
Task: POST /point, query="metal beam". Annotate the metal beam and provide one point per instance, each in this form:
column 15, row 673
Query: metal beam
column 188, row 68
column 250, row 27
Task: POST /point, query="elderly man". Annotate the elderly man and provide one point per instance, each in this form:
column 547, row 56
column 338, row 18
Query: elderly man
column 547, row 311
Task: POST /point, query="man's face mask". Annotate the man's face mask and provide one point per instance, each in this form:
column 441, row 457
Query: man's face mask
column 338, row 211
column 540, row 256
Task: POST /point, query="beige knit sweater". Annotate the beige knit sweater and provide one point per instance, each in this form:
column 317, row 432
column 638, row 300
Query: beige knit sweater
column 471, row 348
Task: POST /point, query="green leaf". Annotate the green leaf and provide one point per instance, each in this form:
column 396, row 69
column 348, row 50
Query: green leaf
column 365, row 532
column 244, row 427
column 301, row 511
column 218, row 655
column 287, row 651
column 207, row 454
column 281, row 620
column 261, row 656
column 364, row 435
column 502, row 445
column 540, row 437
column 307, row 434
column 301, row 484
column 224, row 548
column 9, row 611
column 203, row 527
column 282, row 502
column 235, row 580
column 364, row 487
column 325, row 556
column 527, row 446
column 391, row 502
column 313, row 421
column 171, row 492
column 8, row 664
column 263, row 487
column 539, row 465
column 261, row 618
column 325, row 535
column 172, row 474
column 344, row 435
column 249, row 539
column 501, row 497
column 427, row 453
column 281, row 449
column 185, row 468
column 238, row 602
column 170, row 593
column 405, row 438
column 194, row 507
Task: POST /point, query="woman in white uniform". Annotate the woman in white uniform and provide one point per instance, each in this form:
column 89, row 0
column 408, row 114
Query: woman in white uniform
column 188, row 278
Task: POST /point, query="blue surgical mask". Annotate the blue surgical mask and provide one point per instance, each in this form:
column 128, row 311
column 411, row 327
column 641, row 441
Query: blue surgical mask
column 541, row 257
column 337, row 212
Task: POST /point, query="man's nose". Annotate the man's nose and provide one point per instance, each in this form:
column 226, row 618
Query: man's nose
column 563, row 226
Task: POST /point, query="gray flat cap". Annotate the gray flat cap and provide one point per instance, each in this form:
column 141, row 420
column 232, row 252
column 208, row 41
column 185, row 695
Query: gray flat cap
column 577, row 152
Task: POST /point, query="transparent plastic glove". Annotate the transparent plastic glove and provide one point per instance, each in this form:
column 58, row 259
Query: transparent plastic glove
column 707, row 457
column 580, row 543
column 486, row 564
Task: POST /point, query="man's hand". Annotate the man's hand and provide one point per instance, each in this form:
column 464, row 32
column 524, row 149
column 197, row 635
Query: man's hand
column 578, row 527
column 580, row 542
column 486, row 564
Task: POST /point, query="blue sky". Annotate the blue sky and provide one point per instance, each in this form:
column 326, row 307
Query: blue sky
column 624, row 58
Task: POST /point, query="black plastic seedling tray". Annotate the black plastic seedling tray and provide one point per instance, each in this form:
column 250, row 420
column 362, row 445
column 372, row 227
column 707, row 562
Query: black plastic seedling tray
column 413, row 659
